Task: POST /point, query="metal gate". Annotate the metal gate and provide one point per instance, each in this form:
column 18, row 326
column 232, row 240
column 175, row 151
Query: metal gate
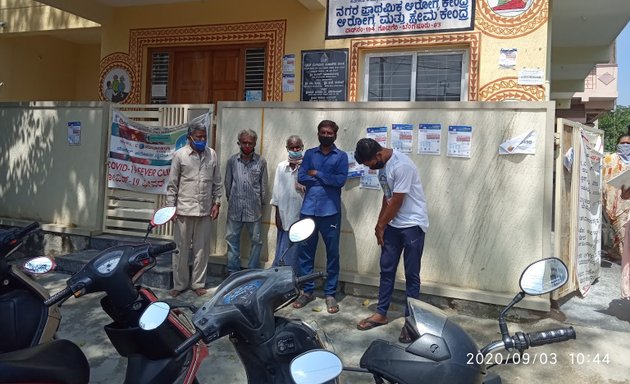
column 129, row 212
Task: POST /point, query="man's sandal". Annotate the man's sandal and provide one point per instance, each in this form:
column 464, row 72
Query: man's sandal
column 331, row 305
column 304, row 299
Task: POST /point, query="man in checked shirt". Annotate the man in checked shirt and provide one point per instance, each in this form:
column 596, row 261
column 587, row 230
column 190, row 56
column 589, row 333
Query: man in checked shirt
column 245, row 190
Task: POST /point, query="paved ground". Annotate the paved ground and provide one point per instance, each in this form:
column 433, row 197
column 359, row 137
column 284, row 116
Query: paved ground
column 602, row 322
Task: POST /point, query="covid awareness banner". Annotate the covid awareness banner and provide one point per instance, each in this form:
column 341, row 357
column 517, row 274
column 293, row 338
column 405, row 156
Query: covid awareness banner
column 140, row 156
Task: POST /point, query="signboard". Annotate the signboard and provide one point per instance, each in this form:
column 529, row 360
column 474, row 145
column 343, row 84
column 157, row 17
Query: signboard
column 324, row 75
column 352, row 18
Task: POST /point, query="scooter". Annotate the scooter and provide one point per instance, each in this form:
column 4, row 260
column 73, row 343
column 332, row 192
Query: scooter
column 149, row 354
column 441, row 351
column 24, row 318
column 243, row 307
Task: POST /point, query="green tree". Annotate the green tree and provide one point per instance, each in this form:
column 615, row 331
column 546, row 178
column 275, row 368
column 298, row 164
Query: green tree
column 614, row 124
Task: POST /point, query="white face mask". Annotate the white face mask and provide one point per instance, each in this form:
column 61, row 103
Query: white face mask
column 623, row 150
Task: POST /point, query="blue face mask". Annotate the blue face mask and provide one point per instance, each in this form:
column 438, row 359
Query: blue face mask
column 199, row 145
column 295, row 155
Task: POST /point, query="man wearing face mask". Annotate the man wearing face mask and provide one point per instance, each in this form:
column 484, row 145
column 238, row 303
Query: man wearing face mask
column 617, row 209
column 324, row 171
column 194, row 187
column 245, row 190
column 402, row 223
column 287, row 197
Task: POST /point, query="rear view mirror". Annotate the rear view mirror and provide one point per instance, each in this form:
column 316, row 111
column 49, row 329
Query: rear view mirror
column 39, row 265
column 301, row 230
column 315, row 367
column 154, row 315
column 544, row 276
column 163, row 216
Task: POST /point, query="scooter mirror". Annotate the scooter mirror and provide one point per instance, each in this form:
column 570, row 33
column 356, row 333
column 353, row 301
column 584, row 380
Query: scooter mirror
column 39, row 265
column 301, row 230
column 544, row 276
column 154, row 315
column 315, row 366
column 163, row 216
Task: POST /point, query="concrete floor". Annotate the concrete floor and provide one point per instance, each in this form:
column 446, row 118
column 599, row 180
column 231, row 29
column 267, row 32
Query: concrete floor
column 601, row 320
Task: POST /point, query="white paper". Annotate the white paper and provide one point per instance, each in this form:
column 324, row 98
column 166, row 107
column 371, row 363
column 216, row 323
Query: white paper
column 158, row 90
column 507, row 58
column 531, row 77
column 402, row 137
column 429, row 139
column 354, row 169
column 369, row 180
column 522, row 144
column 288, row 83
column 620, row 180
column 459, row 141
column 74, row 132
column 288, row 64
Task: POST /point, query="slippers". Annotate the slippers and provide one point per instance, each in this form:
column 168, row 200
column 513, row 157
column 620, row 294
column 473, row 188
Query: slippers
column 405, row 337
column 175, row 293
column 368, row 323
column 200, row 291
column 304, row 299
column 331, row 305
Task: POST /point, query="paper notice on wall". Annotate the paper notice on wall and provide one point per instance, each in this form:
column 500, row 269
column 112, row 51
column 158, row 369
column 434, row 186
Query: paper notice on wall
column 288, row 64
column 524, row 144
column 531, row 77
column 429, row 139
column 402, row 137
column 459, row 141
column 288, row 83
column 369, row 180
column 354, row 169
column 74, row 133
column 507, row 58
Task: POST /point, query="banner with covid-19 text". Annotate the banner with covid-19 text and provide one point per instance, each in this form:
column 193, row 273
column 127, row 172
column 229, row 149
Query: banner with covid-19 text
column 140, row 156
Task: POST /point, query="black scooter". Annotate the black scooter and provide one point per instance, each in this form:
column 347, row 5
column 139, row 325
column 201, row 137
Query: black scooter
column 441, row 351
column 25, row 320
column 149, row 354
column 243, row 307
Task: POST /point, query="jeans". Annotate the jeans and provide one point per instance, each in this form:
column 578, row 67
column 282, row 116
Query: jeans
column 233, row 238
column 330, row 228
column 409, row 241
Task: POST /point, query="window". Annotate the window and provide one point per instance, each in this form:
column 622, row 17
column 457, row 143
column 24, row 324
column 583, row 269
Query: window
column 416, row 76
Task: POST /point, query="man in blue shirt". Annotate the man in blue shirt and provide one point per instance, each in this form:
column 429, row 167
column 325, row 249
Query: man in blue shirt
column 323, row 172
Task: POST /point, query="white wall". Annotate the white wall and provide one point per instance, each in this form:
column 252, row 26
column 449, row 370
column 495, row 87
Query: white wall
column 44, row 177
column 489, row 215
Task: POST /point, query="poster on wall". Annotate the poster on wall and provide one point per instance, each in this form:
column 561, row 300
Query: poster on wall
column 429, row 139
column 140, row 156
column 116, row 85
column 324, row 75
column 459, row 141
column 402, row 137
column 369, row 179
column 74, row 132
column 353, row 18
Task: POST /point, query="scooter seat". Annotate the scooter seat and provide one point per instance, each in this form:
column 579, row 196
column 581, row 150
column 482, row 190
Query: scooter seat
column 59, row 362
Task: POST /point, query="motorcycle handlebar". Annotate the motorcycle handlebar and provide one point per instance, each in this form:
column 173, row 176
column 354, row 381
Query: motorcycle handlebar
column 537, row 339
column 186, row 345
column 57, row 297
column 159, row 249
column 26, row 230
column 311, row 277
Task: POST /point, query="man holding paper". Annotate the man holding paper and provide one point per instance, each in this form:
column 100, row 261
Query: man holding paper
column 616, row 196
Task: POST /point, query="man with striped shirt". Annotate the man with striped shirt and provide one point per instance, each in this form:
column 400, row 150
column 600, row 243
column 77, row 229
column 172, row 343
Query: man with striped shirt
column 245, row 190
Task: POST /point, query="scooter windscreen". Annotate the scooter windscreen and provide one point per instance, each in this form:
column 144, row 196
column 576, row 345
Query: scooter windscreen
column 426, row 318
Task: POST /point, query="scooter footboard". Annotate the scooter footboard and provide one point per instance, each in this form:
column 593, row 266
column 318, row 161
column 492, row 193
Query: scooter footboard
column 156, row 344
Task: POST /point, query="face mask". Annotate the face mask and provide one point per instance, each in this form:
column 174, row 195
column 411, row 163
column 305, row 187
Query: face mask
column 378, row 165
column 623, row 150
column 247, row 150
column 295, row 155
column 199, row 145
column 326, row 141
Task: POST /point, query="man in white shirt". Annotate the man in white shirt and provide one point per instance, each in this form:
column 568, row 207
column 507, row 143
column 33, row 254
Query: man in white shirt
column 402, row 223
column 287, row 197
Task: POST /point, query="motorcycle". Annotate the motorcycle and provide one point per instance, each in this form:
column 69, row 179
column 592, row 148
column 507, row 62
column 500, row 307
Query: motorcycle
column 441, row 351
column 243, row 307
column 149, row 354
column 24, row 318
